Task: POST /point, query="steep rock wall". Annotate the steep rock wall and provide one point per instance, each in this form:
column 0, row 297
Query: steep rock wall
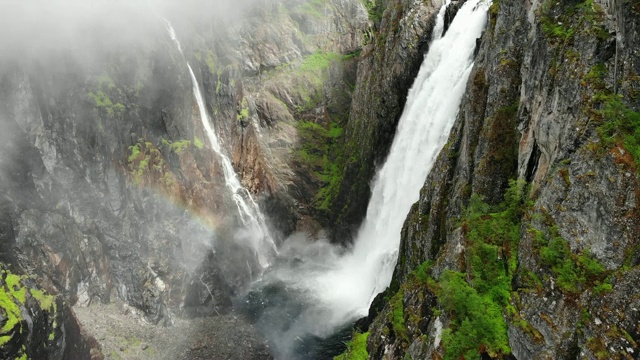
column 389, row 62
column 109, row 185
column 537, row 107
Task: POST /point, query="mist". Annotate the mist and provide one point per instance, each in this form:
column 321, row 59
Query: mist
column 36, row 28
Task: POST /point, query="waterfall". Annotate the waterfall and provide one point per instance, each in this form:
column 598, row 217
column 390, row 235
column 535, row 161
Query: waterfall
column 342, row 289
column 429, row 114
column 430, row 111
column 255, row 232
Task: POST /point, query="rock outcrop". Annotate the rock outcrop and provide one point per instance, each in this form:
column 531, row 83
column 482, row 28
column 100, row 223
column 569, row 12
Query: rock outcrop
column 37, row 325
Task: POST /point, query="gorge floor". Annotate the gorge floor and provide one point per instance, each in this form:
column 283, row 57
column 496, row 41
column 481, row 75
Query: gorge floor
column 123, row 335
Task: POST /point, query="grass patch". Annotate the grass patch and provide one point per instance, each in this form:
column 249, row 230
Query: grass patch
column 356, row 348
column 313, row 8
column 318, row 61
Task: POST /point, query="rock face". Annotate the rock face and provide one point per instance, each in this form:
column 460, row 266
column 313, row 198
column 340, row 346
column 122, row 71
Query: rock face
column 540, row 107
column 389, row 63
column 37, row 325
column 110, row 188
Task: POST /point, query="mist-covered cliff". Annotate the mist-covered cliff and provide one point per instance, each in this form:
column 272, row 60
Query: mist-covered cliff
column 111, row 191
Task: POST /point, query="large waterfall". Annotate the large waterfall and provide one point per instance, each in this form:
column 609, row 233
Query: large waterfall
column 339, row 288
column 255, row 231
column 429, row 114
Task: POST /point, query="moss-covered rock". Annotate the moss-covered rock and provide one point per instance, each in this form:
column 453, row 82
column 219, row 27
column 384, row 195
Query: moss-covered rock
column 38, row 325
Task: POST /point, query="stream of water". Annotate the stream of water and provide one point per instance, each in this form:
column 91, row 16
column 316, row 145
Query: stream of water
column 255, row 231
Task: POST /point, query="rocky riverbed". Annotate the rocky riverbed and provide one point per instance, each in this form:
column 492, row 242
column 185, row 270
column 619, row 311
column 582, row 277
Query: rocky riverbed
column 123, row 334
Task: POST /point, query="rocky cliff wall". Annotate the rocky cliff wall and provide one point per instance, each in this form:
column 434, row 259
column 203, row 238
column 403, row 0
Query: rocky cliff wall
column 109, row 185
column 551, row 102
column 389, row 62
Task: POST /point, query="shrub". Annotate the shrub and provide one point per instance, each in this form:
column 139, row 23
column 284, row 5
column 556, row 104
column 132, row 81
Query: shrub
column 356, row 348
column 475, row 300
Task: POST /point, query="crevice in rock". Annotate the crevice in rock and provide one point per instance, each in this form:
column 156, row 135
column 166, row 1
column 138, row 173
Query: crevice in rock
column 532, row 165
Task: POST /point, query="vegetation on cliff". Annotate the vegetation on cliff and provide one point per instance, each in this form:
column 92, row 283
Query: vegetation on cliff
column 19, row 295
column 475, row 300
column 356, row 348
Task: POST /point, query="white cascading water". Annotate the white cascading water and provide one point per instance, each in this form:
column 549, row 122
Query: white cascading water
column 256, row 232
column 345, row 287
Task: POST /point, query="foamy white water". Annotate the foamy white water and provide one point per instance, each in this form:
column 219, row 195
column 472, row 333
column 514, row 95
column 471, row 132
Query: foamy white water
column 255, row 233
column 345, row 287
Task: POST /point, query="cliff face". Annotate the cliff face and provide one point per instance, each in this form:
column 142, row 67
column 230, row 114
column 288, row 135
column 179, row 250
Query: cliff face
column 110, row 188
column 552, row 102
column 389, row 62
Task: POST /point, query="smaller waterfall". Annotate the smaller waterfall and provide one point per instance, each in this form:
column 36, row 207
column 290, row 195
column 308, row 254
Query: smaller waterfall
column 255, row 232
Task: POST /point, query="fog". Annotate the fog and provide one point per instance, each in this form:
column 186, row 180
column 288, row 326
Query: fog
column 32, row 28
column 51, row 52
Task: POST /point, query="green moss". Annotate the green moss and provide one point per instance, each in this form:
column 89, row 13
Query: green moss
column 179, row 146
column 104, row 103
column 324, row 157
column 564, row 173
column 596, row 74
column 477, row 320
column 198, row 143
column 15, row 287
column 314, row 8
column 243, row 112
column 620, row 124
column 493, row 9
column 356, row 348
column 397, row 316
column 572, row 272
column 10, row 295
column 105, row 82
column 557, row 30
column 211, row 61
column 47, row 302
column 422, row 272
column 147, row 159
column 135, row 152
column 561, row 21
column 318, row 61
column 375, row 8
column 12, row 311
